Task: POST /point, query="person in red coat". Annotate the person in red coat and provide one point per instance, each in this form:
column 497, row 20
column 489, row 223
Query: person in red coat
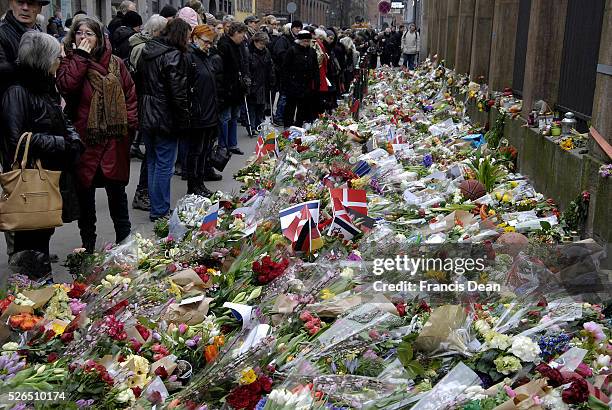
column 101, row 101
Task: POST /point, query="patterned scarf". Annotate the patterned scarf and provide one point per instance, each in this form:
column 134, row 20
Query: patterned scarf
column 108, row 111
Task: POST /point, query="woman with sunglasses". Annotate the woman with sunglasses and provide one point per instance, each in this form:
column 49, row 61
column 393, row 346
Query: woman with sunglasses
column 205, row 67
column 101, row 101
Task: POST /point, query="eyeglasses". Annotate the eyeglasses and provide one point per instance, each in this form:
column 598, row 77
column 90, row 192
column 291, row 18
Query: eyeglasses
column 85, row 34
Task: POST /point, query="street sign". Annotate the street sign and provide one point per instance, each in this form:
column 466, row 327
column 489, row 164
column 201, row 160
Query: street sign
column 291, row 7
column 397, row 5
column 396, row 11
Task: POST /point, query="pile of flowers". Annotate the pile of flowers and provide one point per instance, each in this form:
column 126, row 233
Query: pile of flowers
column 378, row 306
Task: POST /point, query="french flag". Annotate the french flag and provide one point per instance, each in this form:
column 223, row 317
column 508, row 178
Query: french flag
column 209, row 223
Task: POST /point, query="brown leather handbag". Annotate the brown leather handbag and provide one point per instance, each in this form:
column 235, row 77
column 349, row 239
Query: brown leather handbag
column 31, row 198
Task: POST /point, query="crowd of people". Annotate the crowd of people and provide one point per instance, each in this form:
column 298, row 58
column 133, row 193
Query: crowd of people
column 180, row 83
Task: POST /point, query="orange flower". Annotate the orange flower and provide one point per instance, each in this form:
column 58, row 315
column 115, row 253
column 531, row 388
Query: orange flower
column 210, row 353
column 219, row 341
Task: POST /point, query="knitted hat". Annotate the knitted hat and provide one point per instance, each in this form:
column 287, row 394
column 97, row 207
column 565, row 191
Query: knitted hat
column 189, row 15
column 168, row 11
column 204, row 30
column 132, row 19
column 304, row 35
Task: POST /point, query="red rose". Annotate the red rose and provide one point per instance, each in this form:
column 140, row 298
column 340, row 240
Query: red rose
column 137, row 391
column 78, row 289
column 265, row 383
column 49, row 334
column 67, row 337
column 52, row 357
column 135, row 345
column 554, row 376
column 161, row 372
column 401, row 309
column 144, row 332
column 577, row 392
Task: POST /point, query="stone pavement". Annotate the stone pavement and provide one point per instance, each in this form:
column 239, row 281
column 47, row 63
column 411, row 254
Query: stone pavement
column 66, row 238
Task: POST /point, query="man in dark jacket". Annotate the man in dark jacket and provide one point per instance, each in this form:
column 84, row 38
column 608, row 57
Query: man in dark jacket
column 120, row 40
column 236, row 85
column 282, row 45
column 20, row 18
column 262, row 79
column 117, row 21
column 300, row 80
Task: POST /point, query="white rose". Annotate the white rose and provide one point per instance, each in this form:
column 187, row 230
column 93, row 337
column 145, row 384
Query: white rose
column 525, row 349
column 603, row 360
column 347, row 273
column 12, row 346
column 126, row 396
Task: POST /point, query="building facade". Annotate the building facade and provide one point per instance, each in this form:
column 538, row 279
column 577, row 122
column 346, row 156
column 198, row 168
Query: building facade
column 309, row 11
column 106, row 9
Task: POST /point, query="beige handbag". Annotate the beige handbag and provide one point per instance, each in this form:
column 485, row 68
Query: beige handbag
column 31, row 198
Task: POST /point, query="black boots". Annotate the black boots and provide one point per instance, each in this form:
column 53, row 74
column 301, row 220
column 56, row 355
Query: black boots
column 197, row 188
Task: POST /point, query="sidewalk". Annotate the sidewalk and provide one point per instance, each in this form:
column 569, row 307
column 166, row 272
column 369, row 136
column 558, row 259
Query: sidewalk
column 66, row 238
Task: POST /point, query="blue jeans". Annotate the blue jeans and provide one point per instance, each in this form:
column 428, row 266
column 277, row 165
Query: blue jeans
column 280, row 108
column 409, row 61
column 228, row 137
column 161, row 154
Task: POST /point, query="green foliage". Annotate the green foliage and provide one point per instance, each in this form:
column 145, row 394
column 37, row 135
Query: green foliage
column 487, row 172
column 405, row 354
column 495, row 134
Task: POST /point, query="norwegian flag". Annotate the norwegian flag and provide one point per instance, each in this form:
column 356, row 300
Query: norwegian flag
column 209, row 223
column 267, row 145
column 346, row 203
column 342, row 228
column 355, row 199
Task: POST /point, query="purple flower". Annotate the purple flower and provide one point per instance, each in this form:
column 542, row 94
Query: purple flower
column 81, row 404
column 19, row 406
column 182, row 328
column 10, row 364
column 427, row 161
column 354, row 257
column 156, row 336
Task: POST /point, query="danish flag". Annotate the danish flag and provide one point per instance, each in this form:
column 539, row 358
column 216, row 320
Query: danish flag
column 267, row 145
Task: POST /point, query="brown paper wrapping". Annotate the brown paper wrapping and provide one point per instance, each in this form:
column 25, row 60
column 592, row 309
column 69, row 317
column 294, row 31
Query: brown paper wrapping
column 524, row 399
column 40, row 297
column 190, row 314
column 133, row 333
column 334, row 308
column 188, row 280
column 168, row 362
column 441, row 323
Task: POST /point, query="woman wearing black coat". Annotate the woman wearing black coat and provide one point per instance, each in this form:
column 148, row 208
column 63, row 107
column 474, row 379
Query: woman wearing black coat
column 164, row 108
column 300, row 81
column 205, row 66
column 33, row 105
column 262, row 79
